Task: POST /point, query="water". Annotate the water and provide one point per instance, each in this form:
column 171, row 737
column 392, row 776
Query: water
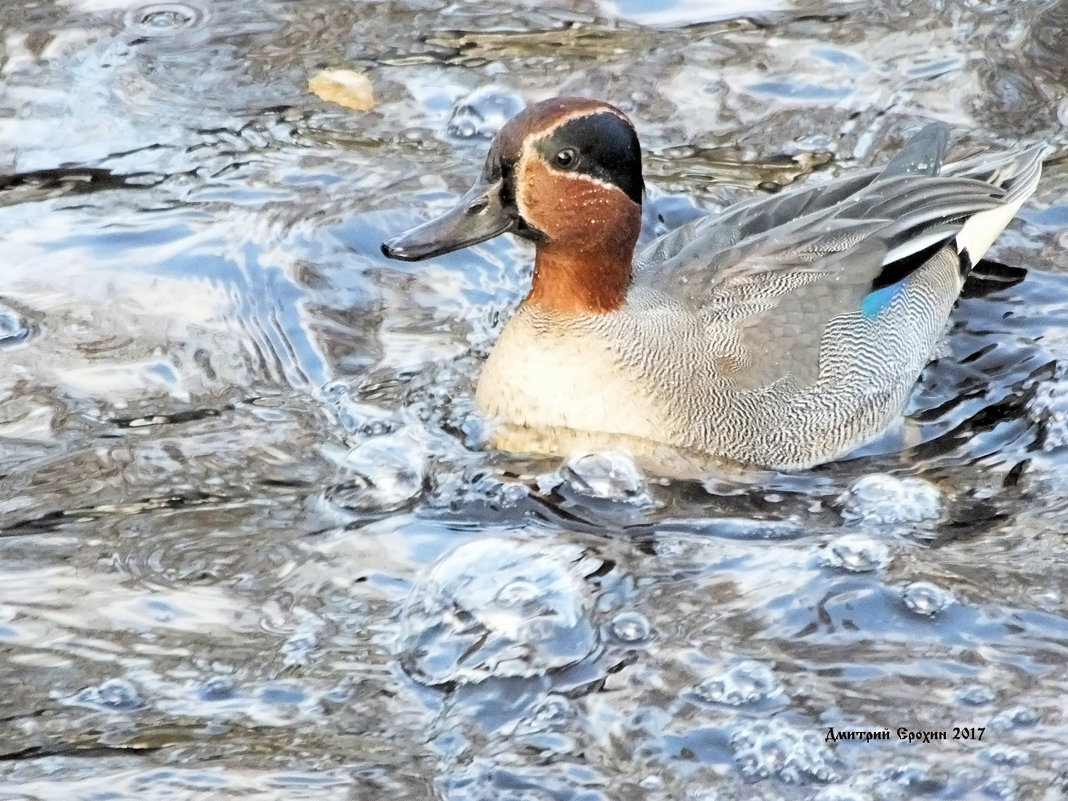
column 250, row 545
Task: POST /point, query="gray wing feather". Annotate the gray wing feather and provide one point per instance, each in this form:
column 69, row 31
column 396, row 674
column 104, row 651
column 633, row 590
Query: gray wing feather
column 769, row 275
column 921, row 154
column 718, row 232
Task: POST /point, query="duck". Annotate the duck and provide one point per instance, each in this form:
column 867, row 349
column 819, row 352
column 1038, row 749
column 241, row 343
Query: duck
column 784, row 332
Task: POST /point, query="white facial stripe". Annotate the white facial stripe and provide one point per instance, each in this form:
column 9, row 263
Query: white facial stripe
column 583, row 176
column 534, row 137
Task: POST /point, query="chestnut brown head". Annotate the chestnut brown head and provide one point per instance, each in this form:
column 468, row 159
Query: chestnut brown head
column 566, row 174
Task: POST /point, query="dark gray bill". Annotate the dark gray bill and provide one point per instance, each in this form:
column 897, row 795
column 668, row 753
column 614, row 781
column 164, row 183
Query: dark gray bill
column 480, row 215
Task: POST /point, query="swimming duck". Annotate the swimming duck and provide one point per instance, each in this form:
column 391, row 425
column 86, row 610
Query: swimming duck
column 782, row 333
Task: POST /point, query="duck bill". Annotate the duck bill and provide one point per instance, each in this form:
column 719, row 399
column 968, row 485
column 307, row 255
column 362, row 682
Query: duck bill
column 479, row 215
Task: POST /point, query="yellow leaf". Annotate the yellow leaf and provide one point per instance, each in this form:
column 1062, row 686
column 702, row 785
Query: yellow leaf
column 345, row 87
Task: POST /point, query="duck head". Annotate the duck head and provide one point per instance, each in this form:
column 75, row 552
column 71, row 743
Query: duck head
column 566, row 174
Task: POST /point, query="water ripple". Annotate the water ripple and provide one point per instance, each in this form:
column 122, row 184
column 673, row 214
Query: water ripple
column 247, row 515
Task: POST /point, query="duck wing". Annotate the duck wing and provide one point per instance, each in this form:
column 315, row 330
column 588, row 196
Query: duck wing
column 921, row 155
column 768, row 276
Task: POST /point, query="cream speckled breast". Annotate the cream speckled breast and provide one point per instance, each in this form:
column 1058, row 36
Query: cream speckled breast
column 544, row 373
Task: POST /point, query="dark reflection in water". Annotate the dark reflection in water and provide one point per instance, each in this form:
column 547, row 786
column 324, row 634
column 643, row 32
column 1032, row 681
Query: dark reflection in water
column 250, row 544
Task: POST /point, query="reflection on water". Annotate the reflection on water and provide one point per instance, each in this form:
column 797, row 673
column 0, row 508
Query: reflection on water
column 250, row 543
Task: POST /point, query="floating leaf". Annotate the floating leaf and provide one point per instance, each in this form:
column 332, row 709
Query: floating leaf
column 345, row 87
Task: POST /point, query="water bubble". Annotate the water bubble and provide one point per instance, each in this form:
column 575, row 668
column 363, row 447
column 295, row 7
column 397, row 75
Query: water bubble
column 856, row 553
column 744, row 683
column 483, row 112
column 517, row 594
column 924, row 598
column 382, row 474
column 115, row 695
column 1001, row 788
column 161, row 19
column 554, row 712
column 610, row 475
column 911, row 776
column 976, row 695
column 165, row 19
column 12, row 327
column 630, row 628
column 1004, row 755
column 356, row 418
column 883, row 499
column 480, row 488
column 500, row 608
column 217, row 688
column 763, row 749
column 1017, row 717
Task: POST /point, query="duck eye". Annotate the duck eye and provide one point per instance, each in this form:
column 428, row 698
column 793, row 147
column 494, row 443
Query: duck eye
column 566, row 158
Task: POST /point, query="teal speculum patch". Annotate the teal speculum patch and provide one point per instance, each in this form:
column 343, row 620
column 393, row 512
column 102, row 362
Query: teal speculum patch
column 875, row 302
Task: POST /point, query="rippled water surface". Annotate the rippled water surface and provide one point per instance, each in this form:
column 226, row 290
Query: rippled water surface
column 250, row 546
